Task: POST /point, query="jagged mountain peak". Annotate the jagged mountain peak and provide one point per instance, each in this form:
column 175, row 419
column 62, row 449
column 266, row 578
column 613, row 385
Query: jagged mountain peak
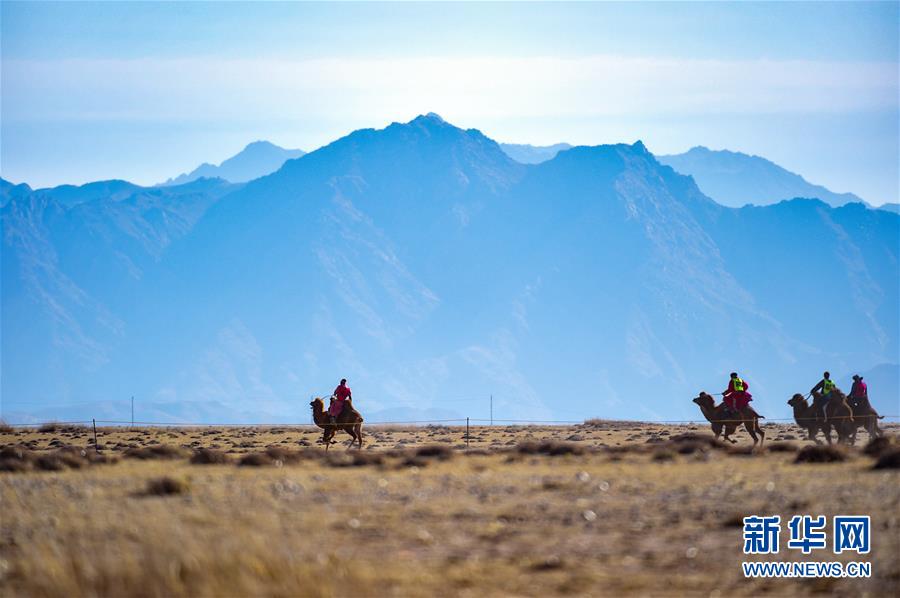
column 430, row 118
column 260, row 144
column 427, row 143
column 619, row 154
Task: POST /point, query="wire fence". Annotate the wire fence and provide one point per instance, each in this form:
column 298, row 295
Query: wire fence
column 460, row 421
column 481, row 422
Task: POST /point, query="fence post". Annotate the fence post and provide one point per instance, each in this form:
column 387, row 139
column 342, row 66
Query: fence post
column 132, row 411
column 467, row 432
column 96, row 448
column 492, row 410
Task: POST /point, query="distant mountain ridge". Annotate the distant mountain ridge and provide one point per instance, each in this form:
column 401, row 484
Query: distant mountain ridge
column 255, row 160
column 421, row 262
column 533, row 154
column 10, row 190
column 735, row 179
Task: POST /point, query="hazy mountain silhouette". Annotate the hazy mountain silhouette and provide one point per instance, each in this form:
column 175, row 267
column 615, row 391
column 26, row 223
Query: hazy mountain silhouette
column 257, row 159
column 735, row 179
column 891, row 207
column 71, row 275
column 533, row 154
column 10, row 190
column 423, row 263
column 71, row 195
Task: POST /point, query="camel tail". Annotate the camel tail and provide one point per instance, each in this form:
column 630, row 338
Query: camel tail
column 880, row 417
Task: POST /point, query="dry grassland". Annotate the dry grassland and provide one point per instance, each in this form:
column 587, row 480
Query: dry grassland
column 608, row 509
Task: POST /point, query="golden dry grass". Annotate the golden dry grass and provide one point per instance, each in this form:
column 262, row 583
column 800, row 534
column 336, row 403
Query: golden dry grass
column 632, row 514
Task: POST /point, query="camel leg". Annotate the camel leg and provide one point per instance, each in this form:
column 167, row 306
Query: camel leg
column 759, row 430
column 839, row 431
column 748, row 425
column 729, row 430
column 826, row 431
column 846, row 436
column 872, row 428
column 349, row 430
column 359, row 434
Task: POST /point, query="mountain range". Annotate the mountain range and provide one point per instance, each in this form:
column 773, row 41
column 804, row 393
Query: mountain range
column 730, row 178
column 432, row 270
column 255, row 160
column 735, row 179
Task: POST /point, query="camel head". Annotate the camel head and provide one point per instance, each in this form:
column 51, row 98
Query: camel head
column 705, row 401
column 797, row 401
column 317, row 402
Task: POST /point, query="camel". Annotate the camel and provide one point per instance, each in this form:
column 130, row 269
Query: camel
column 864, row 416
column 806, row 417
column 349, row 421
column 838, row 415
column 720, row 419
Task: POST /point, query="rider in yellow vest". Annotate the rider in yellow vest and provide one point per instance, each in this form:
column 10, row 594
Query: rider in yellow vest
column 736, row 396
column 825, row 386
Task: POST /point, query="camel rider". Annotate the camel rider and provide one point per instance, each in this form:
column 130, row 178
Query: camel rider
column 341, row 394
column 825, row 386
column 736, row 397
column 859, row 392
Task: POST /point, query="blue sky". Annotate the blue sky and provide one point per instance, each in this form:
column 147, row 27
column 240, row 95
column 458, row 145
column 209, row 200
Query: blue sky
column 144, row 91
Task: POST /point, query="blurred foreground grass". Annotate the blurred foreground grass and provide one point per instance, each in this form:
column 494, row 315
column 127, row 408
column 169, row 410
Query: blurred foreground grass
column 640, row 515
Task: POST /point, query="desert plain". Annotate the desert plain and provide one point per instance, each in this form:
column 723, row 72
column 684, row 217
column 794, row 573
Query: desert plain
column 600, row 509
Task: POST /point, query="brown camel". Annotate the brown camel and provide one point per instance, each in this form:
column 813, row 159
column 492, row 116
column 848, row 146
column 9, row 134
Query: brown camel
column 721, row 419
column 864, row 416
column 806, row 417
column 838, row 415
column 349, row 421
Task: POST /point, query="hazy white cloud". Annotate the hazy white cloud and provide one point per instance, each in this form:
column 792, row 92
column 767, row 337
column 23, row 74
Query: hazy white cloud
column 520, row 304
column 461, row 88
column 416, row 384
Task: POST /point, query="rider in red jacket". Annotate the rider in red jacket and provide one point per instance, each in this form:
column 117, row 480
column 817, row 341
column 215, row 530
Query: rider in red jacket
column 341, row 394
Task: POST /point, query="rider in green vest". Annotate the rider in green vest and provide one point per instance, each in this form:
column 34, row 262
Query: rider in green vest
column 825, row 386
